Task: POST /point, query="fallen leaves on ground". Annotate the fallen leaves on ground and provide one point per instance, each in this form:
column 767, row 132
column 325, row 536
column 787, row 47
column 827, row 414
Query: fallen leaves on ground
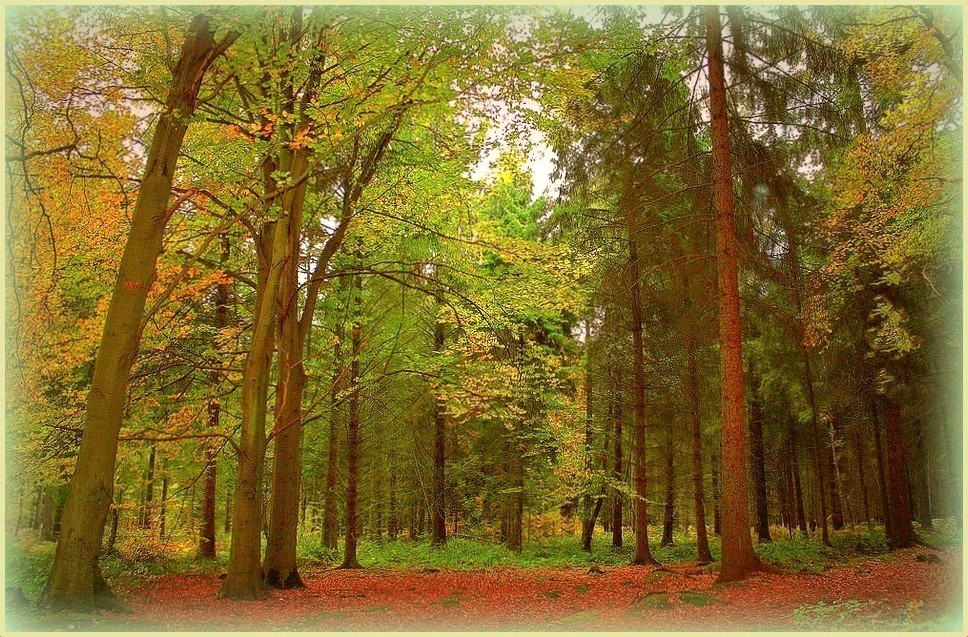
column 627, row 597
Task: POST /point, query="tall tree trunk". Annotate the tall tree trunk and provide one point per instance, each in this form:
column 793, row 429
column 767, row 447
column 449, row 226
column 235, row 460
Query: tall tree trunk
column 924, row 495
column 717, row 512
column 797, row 487
column 758, row 462
column 902, row 531
column 279, row 568
column 669, row 513
column 392, row 521
column 695, row 426
column 643, row 555
column 75, row 581
column 837, row 503
column 737, row 546
column 353, row 432
column 438, row 510
column 862, row 476
column 330, row 505
column 148, row 501
column 819, row 457
column 881, row 465
column 206, row 536
column 588, row 521
column 164, row 507
column 617, row 471
column 244, row 578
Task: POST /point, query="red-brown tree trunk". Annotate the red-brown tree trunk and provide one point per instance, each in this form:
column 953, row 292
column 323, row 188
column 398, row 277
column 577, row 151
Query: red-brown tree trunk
column 717, row 512
column 902, row 531
column 617, row 472
column 737, row 546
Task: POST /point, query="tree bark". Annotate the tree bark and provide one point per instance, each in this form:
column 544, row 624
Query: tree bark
column 717, row 512
column 617, row 471
column 737, row 546
column 703, row 554
column 330, row 506
column 797, row 487
column 881, row 466
column 206, row 536
column 837, row 503
column 902, row 531
column 924, row 496
column 643, row 555
column 588, row 520
column 758, row 463
column 438, row 511
column 862, row 476
column 148, row 501
column 818, row 455
column 279, row 568
column 164, row 507
column 75, row 581
column 353, row 433
column 115, row 520
column 669, row 513
column 244, row 578
column 392, row 521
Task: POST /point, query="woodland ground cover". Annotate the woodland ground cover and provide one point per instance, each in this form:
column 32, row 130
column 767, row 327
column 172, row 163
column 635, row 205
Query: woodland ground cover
column 857, row 584
column 283, row 293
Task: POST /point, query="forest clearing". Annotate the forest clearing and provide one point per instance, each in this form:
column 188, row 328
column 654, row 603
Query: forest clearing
column 451, row 317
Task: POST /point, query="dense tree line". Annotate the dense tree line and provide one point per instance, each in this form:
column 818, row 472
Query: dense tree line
column 253, row 274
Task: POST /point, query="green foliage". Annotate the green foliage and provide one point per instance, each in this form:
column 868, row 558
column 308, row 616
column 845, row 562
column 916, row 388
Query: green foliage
column 28, row 565
column 799, row 554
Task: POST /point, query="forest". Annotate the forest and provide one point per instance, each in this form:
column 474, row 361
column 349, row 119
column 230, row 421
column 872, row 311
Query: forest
column 483, row 318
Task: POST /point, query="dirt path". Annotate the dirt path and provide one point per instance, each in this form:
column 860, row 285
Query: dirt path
column 899, row 588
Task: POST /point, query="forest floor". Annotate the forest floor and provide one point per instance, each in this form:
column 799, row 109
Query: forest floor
column 914, row 589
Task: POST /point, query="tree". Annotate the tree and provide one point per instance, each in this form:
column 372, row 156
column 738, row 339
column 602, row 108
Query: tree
column 738, row 556
column 75, row 581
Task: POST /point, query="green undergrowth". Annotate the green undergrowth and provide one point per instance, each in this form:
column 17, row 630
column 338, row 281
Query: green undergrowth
column 28, row 560
column 470, row 554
